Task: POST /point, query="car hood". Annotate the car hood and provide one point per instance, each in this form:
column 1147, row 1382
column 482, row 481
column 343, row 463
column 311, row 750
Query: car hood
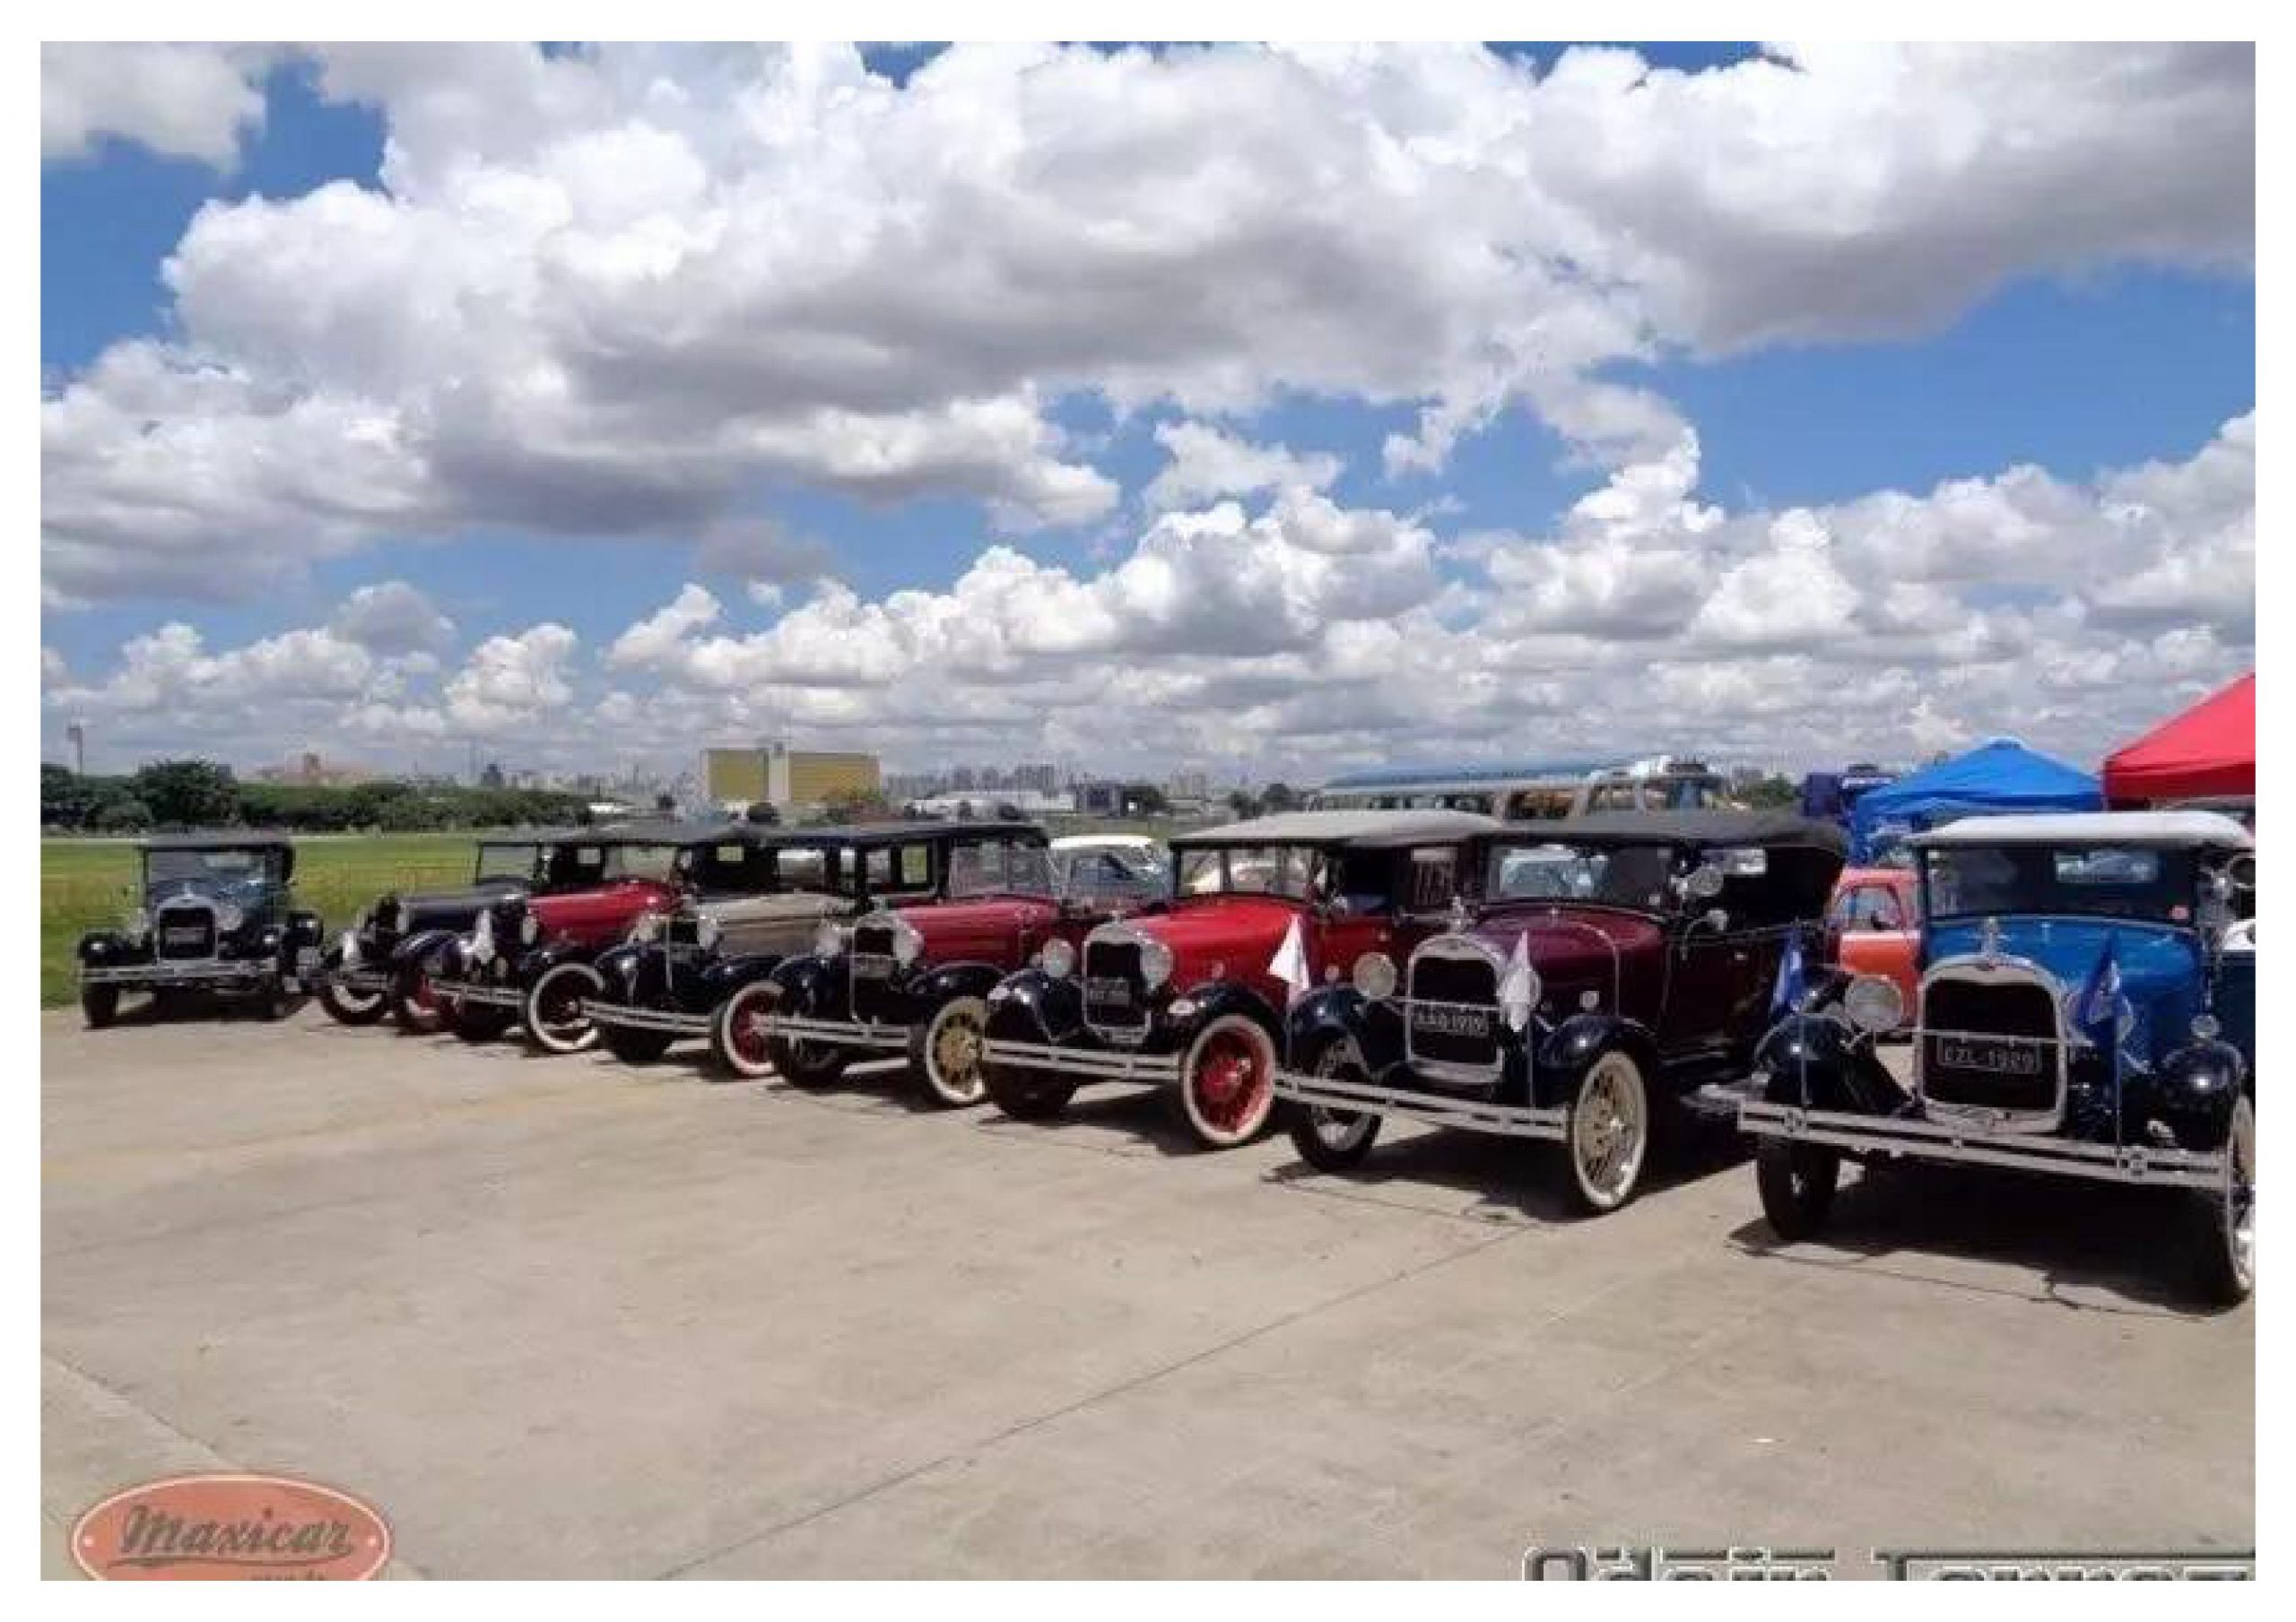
column 2159, row 967
column 435, row 908
column 1238, row 932
column 1576, row 942
column 763, row 909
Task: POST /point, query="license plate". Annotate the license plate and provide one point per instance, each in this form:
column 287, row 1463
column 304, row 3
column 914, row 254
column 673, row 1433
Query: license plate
column 1108, row 992
column 193, row 936
column 1473, row 1023
column 1993, row 1058
column 871, row 966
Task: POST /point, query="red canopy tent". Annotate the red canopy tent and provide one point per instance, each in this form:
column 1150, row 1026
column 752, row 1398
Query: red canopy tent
column 2211, row 749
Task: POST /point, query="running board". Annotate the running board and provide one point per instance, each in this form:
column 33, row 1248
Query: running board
column 2129, row 1163
column 838, row 1033
column 1097, row 1064
column 1463, row 1114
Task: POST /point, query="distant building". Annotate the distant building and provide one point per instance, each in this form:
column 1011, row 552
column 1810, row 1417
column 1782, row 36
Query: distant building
column 792, row 780
column 309, row 771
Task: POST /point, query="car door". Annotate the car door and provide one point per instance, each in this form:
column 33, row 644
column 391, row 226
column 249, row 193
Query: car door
column 1718, row 954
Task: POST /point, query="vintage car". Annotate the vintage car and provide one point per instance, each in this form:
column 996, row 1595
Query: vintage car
column 216, row 912
column 955, row 906
column 382, row 963
column 1116, row 868
column 1873, row 926
column 2086, row 1010
column 1612, row 965
column 1191, row 995
column 669, row 979
column 530, row 960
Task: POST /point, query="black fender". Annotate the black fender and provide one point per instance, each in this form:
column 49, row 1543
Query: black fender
column 305, row 928
column 1341, row 1014
column 1211, row 1000
column 102, row 947
column 538, row 960
column 1817, row 1062
column 722, row 977
column 1562, row 1054
column 946, row 981
column 410, row 952
column 2192, row 1092
column 622, row 967
column 1032, row 1006
column 810, row 984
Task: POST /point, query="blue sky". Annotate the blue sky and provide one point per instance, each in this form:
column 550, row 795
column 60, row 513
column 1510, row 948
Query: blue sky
column 2108, row 364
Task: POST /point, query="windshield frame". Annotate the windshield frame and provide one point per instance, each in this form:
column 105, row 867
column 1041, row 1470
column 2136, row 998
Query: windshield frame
column 1310, row 860
column 1667, row 903
column 269, row 867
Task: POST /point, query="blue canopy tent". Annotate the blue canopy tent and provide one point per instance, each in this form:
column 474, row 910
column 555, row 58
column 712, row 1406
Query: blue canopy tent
column 1992, row 778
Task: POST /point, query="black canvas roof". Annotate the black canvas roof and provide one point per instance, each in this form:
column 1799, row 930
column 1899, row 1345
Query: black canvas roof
column 222, row 839
column 1766, row 827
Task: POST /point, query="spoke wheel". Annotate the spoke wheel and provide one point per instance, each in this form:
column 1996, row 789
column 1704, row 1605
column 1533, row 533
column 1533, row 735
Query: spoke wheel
column 554, row 1016
column 348, row 1006
column 948, row 1052
column 2228, row 1257
column 738, row 1039
column 1610, row 1134
column 416, row 1004
column 1227, row 1090
column 1335, row 1140
column 1796, row 1181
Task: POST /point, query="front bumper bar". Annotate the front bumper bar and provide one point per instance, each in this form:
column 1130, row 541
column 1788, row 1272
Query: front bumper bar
column 838, row 1033
column 1094, row 1063
column 676, row 1022
column 188, row 971
column 484, row 995
column 365, row 982
column 1435, row 1109
column 1974, row 1145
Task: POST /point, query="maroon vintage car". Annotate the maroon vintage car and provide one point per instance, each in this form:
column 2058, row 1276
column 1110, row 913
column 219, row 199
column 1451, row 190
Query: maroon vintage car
column 1192, row 994
column 1613, row 965
column 910, row 977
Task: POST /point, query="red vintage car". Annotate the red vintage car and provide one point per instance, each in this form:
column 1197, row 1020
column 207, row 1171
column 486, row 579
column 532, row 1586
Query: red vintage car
column 1874, row 927
column 957, row 907
column 529, row 959
column 1192, row 994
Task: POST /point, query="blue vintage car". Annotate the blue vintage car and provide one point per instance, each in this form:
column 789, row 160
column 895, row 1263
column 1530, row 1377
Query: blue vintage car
column 2087, row 1009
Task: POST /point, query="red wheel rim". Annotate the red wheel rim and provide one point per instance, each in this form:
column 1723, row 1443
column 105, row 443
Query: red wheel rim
column 1229, row 1081
column 421, row 996
column 746, row 1028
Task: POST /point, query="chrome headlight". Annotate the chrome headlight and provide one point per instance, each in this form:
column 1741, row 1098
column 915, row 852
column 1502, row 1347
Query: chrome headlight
column 709, row 932
column 228, row 917
column 1375, row 975
column 482, row 939
column 829, row 940
column 1874, row 1005
column 139, row 925
column 1155, row 962
column 649, row 927
column 2206, row 1027
column 1058, row 959
column 907, row 942
column 530, row 929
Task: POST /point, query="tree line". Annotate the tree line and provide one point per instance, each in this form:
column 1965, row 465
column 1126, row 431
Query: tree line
column 205, row 794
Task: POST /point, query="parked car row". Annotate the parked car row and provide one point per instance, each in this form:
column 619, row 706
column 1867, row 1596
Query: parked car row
column 2078, row 990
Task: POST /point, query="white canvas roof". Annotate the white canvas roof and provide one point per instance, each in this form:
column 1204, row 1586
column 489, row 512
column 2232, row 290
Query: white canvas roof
column 2182, row 828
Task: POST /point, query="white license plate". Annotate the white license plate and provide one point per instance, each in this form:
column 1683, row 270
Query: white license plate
column 1993, row 1058
column 184, row 937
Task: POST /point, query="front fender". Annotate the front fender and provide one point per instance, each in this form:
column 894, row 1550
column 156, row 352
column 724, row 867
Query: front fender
column 2192, row 1089
column 622, row 968
column 305, row 929
column 100, row 947
column 1819, row 1062
column 722, row 977
column 810, row 984
column 1336, row 1014
column 538, row 960
column 1186, row 1014
column 418, row 947
column 949, row 981
column 1563, row 1054
column 1031, row 1006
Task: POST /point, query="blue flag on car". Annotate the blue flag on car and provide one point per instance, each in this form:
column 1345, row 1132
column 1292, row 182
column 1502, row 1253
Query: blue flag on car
column 2099, row 1013
column 1793, row 978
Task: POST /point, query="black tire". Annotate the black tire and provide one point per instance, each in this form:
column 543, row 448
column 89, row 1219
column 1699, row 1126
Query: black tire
column 549, row 993
column 945, row 1054
column 1798, row 1182
column 633, row 1044
column 351, row 1008
column 1611, row 1130
column 736, row 1047
column 1026, row 1095
column 1200, row 1101
column 479, row 1021
column 1331, row 1140
column 271, row 1003
column 805, row 1064
column 100, row 1005
column 2224, row 1220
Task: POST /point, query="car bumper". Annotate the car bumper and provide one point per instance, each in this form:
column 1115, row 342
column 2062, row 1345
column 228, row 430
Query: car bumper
column 480, row 993
column 364, row 981
column 1971, row 1144
column 838, row 1033
column 204, row 971
column 1435, row 1109
column 633, row 1017
column 1089, row 1064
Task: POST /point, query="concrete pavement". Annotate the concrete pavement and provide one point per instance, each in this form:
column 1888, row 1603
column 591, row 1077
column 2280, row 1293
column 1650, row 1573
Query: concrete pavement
column 564, row 1317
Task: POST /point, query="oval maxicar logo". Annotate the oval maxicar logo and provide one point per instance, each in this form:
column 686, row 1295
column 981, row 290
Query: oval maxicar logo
column 227, row 1526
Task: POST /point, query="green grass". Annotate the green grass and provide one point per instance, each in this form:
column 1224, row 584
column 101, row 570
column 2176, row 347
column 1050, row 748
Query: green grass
column 85, row 884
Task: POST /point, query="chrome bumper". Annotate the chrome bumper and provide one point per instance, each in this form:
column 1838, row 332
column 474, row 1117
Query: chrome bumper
column 484, row 995
column 647, row 1018
column 838, row 1033
column 1098, row 1063
column 1974, row 1145
column 1463, row 1114
column 185, row 971
column 367, row 982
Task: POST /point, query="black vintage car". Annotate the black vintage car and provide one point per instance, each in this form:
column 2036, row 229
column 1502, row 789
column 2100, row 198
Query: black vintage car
column 381, row 965
column 217, row 913
column 1611, row 964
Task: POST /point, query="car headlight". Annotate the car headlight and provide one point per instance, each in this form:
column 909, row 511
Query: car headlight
column 1375, row 975
column 482, row 939
column 907, row 942
column 647, row 927
column 1874, row 1005
column 2206, row 1027
column 530, row 929
column 829, row 940
column 1155, row 962
column 228, row 917
column 1059, row 958
column 139, row 925
column 709, row 932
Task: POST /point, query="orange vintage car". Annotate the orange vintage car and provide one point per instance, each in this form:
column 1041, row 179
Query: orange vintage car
column 1874, row 927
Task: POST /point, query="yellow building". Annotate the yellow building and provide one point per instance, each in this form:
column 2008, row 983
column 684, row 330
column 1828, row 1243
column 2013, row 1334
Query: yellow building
column 794, row 781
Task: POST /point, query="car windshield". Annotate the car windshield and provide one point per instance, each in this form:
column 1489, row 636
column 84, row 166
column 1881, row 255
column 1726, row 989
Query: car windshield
column 220, row 866
column 1635, row 876
column 1249, row 869
column 2108, row 881
column 810, row 868
column 507, row 861
column 1004, row 868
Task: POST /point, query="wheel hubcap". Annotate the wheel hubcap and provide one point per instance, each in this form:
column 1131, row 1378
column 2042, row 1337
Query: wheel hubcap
column 956, row 1056
column 1608, row 1132
column 1229, row 1082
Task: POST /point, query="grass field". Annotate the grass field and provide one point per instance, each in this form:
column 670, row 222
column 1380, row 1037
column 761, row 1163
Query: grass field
column 87, row 884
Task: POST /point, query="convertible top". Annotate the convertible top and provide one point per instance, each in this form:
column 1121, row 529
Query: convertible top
column 220, row 838
column 2180, row 829
column 1761, row 828
column 1358, row 830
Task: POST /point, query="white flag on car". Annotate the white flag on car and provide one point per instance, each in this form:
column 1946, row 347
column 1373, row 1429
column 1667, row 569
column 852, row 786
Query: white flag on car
column 1290, row 964
column 1518, row 989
